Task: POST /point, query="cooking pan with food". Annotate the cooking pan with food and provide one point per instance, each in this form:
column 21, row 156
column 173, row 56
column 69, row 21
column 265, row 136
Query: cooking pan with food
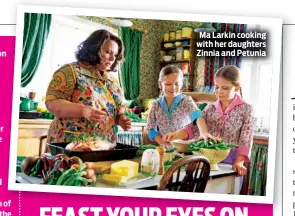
column 120, row 152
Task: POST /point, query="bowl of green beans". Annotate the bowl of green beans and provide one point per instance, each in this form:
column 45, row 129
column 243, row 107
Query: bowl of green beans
column 215, row 152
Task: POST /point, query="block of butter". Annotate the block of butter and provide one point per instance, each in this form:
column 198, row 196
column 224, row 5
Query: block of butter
column 115, row 179
column 125, row 168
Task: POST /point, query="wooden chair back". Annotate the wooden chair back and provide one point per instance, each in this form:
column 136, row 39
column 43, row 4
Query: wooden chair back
column 197, row 171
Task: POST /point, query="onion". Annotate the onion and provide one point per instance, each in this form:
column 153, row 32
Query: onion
column 28, row 164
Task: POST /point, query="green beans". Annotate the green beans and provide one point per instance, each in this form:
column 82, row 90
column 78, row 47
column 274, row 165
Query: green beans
column 210, row 144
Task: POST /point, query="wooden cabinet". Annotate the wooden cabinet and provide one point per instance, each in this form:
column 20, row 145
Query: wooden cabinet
column 32, row 136
column 188, row 47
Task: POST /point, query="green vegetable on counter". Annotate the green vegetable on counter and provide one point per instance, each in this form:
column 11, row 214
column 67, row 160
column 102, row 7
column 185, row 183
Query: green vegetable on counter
column 169, row 150
column 148, row 146
column 134, row 117
column 210, row 144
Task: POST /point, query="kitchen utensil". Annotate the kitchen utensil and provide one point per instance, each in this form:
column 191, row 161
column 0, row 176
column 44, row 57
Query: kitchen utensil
column 120, row 152
column 161, row 151
column 214, row 156
column 167, row 58
column 27, row 104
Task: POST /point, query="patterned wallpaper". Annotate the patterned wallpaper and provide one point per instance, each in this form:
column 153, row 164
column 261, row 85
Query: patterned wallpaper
column 174, row 25
column 150, row 53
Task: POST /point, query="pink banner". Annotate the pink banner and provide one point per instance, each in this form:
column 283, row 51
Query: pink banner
column 33, row 203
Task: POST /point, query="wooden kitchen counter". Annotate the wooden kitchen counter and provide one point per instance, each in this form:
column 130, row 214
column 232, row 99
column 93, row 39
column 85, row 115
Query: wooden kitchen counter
column 32, row 136
column 261, row 138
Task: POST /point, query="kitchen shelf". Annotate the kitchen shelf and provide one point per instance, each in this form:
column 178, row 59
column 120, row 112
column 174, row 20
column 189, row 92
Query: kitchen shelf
column 182, row 39
column 174, row 48
column 175, row 61
column 191, row 46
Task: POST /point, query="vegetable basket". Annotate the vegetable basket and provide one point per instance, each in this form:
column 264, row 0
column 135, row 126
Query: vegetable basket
column 213, row 155
column 214, row 152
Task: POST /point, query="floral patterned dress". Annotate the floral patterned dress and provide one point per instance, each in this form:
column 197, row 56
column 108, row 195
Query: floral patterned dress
column 162, row 120
column 83, row 84
column 234, row 125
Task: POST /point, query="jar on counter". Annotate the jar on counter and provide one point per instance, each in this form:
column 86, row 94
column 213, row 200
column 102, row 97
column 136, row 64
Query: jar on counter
column 178, row 34
column 186, row 54
column 172, row 35
column 179, row 53
column 166, row 37
column 187, row 31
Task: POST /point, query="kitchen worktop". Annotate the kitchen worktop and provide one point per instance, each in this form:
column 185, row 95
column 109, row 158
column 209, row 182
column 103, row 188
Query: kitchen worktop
column 225, row 178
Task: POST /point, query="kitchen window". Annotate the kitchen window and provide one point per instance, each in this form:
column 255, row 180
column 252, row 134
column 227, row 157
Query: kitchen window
column 256, row 81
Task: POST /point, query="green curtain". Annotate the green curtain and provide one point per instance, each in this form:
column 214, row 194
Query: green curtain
column 258, row 170
column 36, row 30
column 130, row 69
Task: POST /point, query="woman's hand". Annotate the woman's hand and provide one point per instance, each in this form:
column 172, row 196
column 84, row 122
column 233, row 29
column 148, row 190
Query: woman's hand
column 94, row 115
column 179, row 134
column 124, row 122
column 239, row 165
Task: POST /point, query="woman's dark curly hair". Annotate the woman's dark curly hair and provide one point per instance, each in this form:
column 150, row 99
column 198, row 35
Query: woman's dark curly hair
column 88, row 50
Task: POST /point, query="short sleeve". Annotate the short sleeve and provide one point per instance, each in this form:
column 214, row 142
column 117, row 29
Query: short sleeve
column 191, row 108
column 62, row 84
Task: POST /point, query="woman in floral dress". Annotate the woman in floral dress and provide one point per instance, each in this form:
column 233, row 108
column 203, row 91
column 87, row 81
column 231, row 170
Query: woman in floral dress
column 229, row 118
column 83, row 95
